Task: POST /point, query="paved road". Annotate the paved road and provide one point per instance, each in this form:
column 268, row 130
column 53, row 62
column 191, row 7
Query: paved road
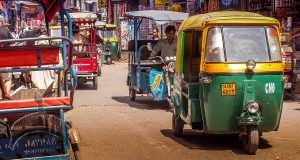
column 114, row 128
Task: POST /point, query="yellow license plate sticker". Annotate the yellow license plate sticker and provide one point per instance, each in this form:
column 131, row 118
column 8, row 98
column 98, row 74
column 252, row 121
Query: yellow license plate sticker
column 228, row 89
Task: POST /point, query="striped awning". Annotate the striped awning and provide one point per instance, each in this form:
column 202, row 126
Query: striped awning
column 83, row 17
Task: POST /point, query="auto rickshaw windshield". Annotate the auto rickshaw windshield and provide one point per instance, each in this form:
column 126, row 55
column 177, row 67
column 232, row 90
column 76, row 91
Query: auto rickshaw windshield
column 240, row 44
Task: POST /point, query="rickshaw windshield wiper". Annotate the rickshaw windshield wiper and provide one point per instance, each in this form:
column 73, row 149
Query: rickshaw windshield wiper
column 223, row 42
column 267, row 38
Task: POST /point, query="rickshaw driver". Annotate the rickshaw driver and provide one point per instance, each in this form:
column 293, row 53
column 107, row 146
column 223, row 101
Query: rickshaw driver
column 166, row 46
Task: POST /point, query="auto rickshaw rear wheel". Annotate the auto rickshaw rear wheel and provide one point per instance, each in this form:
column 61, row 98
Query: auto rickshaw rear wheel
column 251, row 140
column 177, row 125
column 99, row 70
column 95, row 83
column 132, row 94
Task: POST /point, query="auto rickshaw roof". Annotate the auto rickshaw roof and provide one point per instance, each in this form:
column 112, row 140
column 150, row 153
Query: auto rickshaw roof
column 160, row 16
column 83, row 17
column 225, row 17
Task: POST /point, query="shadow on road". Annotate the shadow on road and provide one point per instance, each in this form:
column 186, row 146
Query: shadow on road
column 144, row 103
column 194, row 140
column 85, row 86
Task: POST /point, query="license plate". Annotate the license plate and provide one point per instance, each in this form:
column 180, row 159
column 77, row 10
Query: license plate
column 228, row 89
column 287, row 85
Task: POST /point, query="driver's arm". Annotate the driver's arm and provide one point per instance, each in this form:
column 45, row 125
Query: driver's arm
column 156, row 49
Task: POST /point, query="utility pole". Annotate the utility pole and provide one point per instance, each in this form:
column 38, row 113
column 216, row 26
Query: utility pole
column 6, row 10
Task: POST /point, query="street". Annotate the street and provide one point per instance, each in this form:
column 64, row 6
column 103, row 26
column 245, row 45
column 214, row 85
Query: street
column 113, row 127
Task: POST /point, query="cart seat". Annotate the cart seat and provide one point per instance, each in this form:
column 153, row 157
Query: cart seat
column 41, row 102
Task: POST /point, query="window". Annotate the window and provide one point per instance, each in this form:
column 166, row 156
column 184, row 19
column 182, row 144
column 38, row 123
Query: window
column 273, row 44
column 240, row 44
column 214, row 46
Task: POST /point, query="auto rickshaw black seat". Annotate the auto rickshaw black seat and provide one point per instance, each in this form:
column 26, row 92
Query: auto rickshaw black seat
column 145, row 53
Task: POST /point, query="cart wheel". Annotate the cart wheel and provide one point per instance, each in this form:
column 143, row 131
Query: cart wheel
column 132, row 94
column 95, row 83
column 177, row 125
column 108, row 60
column 251, row 140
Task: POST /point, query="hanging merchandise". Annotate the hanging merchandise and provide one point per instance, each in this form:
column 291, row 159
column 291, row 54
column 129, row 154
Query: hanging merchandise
column 230, row 5
column 102, row 3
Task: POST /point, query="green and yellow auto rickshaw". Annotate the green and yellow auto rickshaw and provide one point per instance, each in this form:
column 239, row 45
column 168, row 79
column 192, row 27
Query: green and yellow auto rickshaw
column 110, row 46
column 228, row 76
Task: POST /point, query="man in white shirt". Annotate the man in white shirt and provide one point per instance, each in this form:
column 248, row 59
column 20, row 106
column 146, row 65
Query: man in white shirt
column 166, row 46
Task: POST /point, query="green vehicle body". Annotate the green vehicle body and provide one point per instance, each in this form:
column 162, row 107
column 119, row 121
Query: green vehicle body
column 219, row 114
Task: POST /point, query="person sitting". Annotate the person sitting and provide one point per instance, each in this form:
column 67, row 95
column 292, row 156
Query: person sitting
column 78, row 39
column 155, row 33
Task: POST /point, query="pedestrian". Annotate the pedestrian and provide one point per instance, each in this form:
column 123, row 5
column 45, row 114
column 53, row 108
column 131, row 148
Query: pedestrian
column 5, row 78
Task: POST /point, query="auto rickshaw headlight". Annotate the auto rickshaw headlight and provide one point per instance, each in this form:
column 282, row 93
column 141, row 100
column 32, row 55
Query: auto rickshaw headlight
column 252, row 107
column 250, row 65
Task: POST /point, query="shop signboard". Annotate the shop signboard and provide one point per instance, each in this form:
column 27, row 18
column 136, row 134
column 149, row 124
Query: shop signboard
column 230, row 5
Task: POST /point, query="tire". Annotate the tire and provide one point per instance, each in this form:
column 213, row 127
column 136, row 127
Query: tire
column 177, row 125
column 95, row 83
column 132, row 94
column 108, row 59
column 251, row 140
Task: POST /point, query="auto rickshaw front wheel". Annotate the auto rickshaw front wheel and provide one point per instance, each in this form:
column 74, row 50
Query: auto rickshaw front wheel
column 177, row 125
column 251, row 140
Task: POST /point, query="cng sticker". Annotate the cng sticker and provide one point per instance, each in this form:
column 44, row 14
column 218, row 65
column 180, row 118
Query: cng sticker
column 270, row 88
column 156, row 81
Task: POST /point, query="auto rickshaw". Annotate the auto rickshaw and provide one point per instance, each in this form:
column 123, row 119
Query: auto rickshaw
column 147, row 74
column 110, row 46
column 86, row 57
column 32, row 124
column 228, row 76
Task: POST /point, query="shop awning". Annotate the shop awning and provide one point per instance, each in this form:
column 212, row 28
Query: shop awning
column 83, row 17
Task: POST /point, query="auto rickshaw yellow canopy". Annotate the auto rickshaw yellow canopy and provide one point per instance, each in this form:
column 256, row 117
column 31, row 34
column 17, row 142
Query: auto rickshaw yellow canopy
column 198, row 22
